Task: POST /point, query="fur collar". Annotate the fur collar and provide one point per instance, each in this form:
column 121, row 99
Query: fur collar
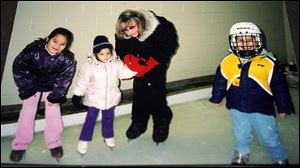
column 150, row 25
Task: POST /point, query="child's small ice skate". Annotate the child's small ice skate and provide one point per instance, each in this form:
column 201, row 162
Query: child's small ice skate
column 82, row 147
column 57, row 153
column 110, row 143
column 16, row 155
column 239, row 158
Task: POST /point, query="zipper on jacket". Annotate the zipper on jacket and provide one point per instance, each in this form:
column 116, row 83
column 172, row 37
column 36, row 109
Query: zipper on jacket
column 106, row 79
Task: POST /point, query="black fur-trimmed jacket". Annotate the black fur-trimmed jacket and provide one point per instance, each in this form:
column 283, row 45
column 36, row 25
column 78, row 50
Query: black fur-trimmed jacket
column 159, row 41
column 34, row 69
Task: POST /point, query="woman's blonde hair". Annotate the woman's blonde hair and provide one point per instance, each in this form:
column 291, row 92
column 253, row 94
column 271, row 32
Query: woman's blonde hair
column 126, row 18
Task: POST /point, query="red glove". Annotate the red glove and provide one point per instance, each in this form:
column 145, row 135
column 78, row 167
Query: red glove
column 131, row 61
column 150, row 64
column 139, row 65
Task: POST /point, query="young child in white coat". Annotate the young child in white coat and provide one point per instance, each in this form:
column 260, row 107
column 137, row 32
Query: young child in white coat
column 98, row 84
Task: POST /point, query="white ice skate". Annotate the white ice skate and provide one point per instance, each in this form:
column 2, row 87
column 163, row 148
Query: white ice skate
column 110, row 143
column 82, row 147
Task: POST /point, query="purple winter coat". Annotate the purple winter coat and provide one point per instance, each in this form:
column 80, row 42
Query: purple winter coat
column 34, row 69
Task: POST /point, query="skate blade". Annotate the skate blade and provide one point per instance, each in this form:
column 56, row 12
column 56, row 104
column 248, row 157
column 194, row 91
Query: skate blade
column 111, row 148
column 131, row 140
column 57, row 160
column 81, row 154
column 158, row 143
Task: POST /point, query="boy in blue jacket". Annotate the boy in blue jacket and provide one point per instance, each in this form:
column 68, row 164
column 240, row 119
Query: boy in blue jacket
column 251, row 83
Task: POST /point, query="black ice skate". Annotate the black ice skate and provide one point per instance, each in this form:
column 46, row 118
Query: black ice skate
column 57, row 153
column 160, row 134
column 161, row 130
column 134, row 131
column 16, row 155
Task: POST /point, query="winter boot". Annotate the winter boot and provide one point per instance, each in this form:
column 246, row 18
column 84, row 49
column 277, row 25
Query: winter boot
column 134, row 131
column 110, row 143
column 239, row 158
column 57, row 153
column 281, row 162
column 16, row 155
column 82, row 147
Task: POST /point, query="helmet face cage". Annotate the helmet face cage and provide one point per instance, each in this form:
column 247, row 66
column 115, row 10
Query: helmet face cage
column 245, row 39
column 246, row 45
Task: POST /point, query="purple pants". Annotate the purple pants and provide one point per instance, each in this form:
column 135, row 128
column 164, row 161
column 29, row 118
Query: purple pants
column 90, row 121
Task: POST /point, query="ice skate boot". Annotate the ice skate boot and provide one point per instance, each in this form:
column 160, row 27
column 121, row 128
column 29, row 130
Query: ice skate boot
column 134, row 131
column 160, row 135
column 57, row 153
column 110, row 143
column 16, row 155
column 82, row 147
column 161, row 130
column 239, row 158
column 281, row 162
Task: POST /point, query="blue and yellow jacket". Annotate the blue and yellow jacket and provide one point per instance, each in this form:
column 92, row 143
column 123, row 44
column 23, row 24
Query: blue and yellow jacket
column 251, row 87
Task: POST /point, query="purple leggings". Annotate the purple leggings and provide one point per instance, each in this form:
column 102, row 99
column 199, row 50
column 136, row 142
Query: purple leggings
column 90, row 121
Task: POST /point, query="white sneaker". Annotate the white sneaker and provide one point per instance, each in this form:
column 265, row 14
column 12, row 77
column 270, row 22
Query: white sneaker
column 110, row 142
column 82, row 147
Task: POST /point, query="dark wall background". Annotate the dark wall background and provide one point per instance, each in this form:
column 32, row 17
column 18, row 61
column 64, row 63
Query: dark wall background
column 8, row 11
column 293, row 15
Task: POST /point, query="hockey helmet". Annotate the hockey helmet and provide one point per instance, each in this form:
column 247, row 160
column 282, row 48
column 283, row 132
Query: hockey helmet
column 245, row 39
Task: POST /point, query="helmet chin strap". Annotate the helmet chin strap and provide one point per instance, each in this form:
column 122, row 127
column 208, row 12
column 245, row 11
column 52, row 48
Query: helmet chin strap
column 246, row 54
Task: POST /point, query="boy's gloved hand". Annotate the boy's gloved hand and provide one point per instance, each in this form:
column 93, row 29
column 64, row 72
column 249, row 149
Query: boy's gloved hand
column 76, row 100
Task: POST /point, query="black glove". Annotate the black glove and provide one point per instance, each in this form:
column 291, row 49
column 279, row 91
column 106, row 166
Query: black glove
column 26, row 93
column 60, row 100
column 76, row 100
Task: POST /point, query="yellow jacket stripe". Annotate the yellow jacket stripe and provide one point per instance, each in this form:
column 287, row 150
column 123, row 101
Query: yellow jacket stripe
column 260, row 70
column 262, row 64
column 230, row 70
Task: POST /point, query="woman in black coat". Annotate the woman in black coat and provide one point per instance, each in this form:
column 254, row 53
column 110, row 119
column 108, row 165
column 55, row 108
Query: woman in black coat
column 146, row 43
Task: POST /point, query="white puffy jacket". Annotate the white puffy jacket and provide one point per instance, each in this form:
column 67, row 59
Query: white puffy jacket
column 98, row 82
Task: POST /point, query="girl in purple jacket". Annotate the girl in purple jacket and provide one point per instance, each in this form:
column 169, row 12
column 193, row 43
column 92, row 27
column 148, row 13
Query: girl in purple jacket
column 44, row 69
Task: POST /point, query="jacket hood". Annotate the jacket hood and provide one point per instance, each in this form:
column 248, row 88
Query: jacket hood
column 93, row 60
column 150, row 25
